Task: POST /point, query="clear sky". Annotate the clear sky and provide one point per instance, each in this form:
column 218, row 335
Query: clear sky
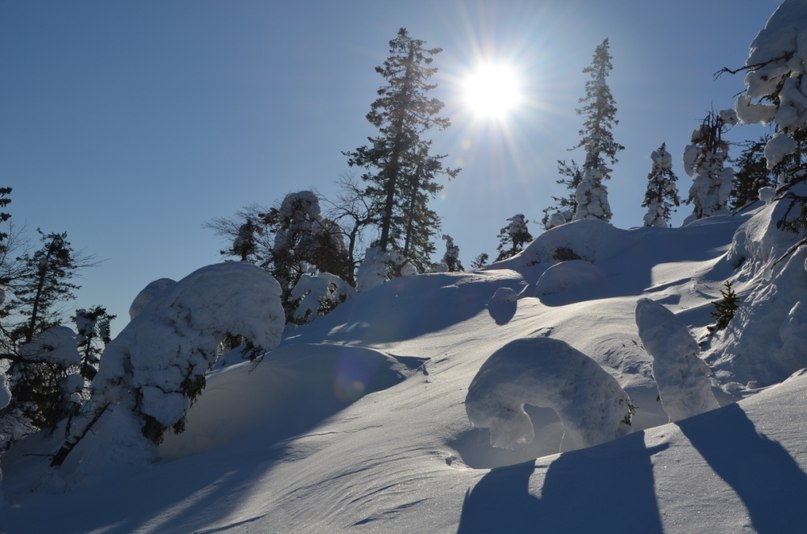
column 130, row 124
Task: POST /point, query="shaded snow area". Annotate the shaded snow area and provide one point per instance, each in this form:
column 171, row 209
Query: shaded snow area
column 452, row 402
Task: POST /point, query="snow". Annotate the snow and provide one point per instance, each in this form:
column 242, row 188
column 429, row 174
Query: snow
column 318, row 291
column 547, row 373
column 57, row 345
column 147, row 294
column 567, row 275
column 681, row 376
column 357, row 422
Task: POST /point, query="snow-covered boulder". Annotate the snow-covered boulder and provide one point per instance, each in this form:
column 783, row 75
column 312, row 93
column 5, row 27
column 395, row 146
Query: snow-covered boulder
column 568, row 275
column 681, row 376
column 547, row 373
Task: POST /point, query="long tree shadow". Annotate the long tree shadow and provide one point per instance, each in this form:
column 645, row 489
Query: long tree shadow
column 763, row 474
column 606, row 488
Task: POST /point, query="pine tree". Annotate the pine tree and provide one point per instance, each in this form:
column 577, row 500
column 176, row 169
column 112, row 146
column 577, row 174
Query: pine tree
column 751, row 175
column 45, row 283
column 565, row 206
column 452, row 256
column 662, row 191
column 513, row 237
column 400, row 172
column 725, row 307
column 704, row 161
column 480, row 261
column 599, row 110
column 93, row 328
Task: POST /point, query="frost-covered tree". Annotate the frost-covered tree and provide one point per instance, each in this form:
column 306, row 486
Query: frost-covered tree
column 752, row 174
column 401, row 172
column 93, row 334
column 681, row 376
column 513, row 237
column 154, row 369
column 705, row 161
column 596, row 138
column 662, row 191
column 548, row 373
column 452, row 256
column 245, row 245
column 775, row 93
column 317, row 294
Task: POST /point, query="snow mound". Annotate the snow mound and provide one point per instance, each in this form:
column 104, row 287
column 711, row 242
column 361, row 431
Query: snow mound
column 758, row 242
column 592, row 240
column 147, row 294
column 310, row 381
column 682, row 377
column 551, row 374
column 568, row 275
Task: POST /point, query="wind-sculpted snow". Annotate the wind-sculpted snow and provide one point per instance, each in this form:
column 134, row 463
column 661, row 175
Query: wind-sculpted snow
column 566, row 275
column 681, row 376
column 548, row 373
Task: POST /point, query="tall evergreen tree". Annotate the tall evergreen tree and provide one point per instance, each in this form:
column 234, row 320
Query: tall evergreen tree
column 93, row 328
column 451, row 258
column 400, row 172
column 513, row 237
column 599, row 110
column 751, row 175
column 704, row 161
column 662, row 191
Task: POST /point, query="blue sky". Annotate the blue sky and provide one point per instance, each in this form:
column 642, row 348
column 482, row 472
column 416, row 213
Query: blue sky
column 130, row 124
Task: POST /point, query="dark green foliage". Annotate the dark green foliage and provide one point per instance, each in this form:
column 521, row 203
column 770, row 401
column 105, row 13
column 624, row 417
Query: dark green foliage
column 513, row 237
column 751, row 174
column 571, row 174
column 480, row 261
column 401, row 174
column 662, row 192
column 93, row 328
column 725, row 307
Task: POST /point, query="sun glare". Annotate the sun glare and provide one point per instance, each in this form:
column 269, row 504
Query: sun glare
column 492, row 91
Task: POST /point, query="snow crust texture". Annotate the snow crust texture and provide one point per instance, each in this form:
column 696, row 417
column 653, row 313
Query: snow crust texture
column 547, row 373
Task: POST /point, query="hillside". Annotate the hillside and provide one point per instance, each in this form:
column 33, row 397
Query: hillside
column 357, row 422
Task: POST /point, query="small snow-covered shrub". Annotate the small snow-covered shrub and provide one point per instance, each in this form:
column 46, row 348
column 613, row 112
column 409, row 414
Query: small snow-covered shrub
column 317, row 294
column 681, row 376
column 547, row 373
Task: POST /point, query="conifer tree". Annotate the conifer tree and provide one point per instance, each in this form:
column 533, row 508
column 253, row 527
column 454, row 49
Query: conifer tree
column 93, row 328
column 401, row 172
column 725, row 307
column 480, row 261
column 596, row 138
column 565, row 206
column 704, row 161
column 751, row 175
column 662, row 191
column 452, row 256
column 513, row 237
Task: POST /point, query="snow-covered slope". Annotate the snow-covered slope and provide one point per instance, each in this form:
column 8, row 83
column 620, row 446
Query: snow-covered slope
column 357, row 422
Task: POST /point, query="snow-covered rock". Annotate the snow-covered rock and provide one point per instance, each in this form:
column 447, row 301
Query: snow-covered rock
column 548, row 373
column 681, row 376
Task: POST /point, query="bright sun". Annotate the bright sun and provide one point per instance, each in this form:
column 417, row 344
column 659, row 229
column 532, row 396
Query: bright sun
column 492, row 91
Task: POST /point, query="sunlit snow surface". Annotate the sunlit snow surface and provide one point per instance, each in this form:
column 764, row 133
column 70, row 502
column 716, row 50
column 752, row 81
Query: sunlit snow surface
column 358, row 423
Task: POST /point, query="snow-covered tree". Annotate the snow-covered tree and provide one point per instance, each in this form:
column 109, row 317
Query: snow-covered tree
column 317, row 294
column 93, row 329
column 452, row 256
column 681, row 376
column 704, row 161
column 401, row 172
column 513, row 237
column 548, row 373
column 775, row 93
column 156, row 366
column 244, row 244
column 662, row 191
column 596, row 138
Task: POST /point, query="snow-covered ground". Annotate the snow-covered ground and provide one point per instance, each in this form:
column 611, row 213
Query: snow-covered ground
column 357, row 422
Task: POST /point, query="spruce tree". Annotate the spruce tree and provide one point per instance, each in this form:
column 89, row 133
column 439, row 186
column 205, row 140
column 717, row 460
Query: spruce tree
column 480, row 261
column 599, row 109
column 93, row 328
column 565, row 206
column 725, row 307
column 401, row 172
column 513, row 237
column 662, row 191
column 751, row 175
column 451, row 258
column 704, row 161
